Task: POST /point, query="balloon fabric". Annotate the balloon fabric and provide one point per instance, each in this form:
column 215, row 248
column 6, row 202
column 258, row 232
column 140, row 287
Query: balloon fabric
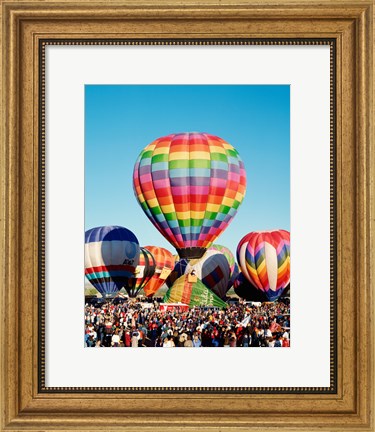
column 213, row 270
column 264, row 259
column 190, row 186
column 111, row 256
column 143, row 273
column 192, row 294
column 164, row 263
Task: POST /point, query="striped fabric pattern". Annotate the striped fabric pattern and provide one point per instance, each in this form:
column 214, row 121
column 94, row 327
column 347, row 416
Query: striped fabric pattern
column 164, row 263
column 178, row 270
column 213, row 270
column 190, row 186
column 233, row 277
column 228, row 255
column 264, row 258
column 192, row 294
column 111, row 256
column 143, row 272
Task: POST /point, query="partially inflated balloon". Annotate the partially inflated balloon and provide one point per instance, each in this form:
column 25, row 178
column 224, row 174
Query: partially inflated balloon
column 190, row 186
column 213, row 270
column 235, row 273
column 143, row 272
column 192, row 293
column 164, row 263
column 216, row 269
column 111, row 256
column 244, row 289
column 231, row 261
column 264, row 258
column 227, row 253
column 178, row 270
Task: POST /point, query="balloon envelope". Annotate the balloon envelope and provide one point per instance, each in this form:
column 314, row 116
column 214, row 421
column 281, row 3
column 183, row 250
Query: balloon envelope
column 178, row 270
column 143, row 272
column 192, row 294
column 213, row 270
column 235, row 273
column 111, row 256
column 244, row 289
column 264, row 259
column 190, row 186
column 164, row 263
column 227, row 253
column 234, row 270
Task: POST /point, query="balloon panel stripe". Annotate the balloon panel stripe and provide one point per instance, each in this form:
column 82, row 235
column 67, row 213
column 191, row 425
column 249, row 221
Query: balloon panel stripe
column 163, row 260
column 193, row 294
column 112, row 274
column 252, row 257
column 109, row 268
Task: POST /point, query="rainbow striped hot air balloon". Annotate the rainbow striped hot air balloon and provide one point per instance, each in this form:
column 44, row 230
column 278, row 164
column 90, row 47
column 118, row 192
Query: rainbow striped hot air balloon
column 190, row 186
column 111, row 256
column 264, row 259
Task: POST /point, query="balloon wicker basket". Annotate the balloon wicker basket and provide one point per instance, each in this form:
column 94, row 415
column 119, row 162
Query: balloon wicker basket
column 191, row 252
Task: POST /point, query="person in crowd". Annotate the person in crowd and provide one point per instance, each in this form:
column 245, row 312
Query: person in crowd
column 158, row 342
column 196, row 341
column 169, row 342
column 90, row 342
column 277, row 342
column 246, row 339
column 135, row 338
column 116, row 339
column 188, row 343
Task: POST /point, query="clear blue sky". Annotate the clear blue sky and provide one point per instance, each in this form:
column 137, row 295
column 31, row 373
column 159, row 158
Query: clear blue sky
column 120, row 120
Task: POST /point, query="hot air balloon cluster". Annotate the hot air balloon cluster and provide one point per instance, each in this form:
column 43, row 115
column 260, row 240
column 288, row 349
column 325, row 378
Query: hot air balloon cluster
column 215, row 269
column 211, row 273
column 190, row 186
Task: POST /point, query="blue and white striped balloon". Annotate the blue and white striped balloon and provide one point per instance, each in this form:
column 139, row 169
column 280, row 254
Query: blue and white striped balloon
column 111, row 256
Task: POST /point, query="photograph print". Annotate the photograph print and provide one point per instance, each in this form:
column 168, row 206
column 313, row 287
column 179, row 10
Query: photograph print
column 187, row 216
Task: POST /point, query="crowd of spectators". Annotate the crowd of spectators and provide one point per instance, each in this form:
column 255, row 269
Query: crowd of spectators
column 132, row 324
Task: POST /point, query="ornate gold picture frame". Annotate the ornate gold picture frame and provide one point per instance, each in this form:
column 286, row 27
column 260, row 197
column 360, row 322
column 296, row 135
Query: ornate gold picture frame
column 27, row 28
